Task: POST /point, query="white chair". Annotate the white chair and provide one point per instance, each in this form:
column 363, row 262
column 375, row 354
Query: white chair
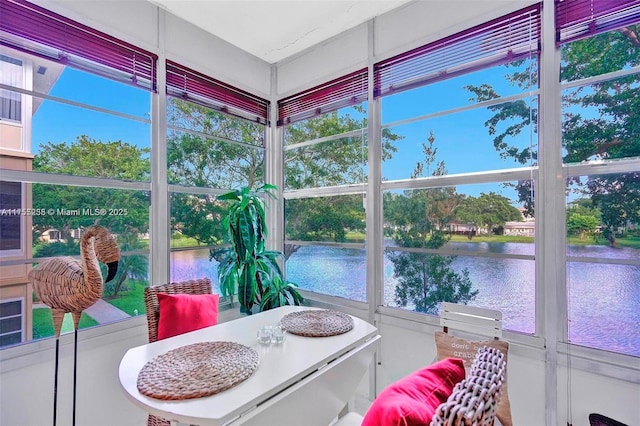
column 470, row 319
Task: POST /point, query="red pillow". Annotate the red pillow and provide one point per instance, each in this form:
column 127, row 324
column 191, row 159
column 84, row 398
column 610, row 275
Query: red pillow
column 414, row 399
column 181, row 313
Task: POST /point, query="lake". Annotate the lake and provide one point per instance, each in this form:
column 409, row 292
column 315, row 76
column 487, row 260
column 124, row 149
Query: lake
column 604, row 308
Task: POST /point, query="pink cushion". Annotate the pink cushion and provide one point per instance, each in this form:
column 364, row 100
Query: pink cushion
column 414, row 399
column 181, row 313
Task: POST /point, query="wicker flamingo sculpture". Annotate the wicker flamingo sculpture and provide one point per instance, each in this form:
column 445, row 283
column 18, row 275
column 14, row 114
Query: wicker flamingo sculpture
column 68, row 285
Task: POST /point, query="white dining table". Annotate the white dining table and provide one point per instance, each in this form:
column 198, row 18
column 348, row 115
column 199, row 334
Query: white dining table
column 303, row 381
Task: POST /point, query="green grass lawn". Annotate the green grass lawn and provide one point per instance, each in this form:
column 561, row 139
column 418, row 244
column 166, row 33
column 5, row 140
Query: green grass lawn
column 492, row 239
column 178, row 240
column 43, row 323
column 131, row 300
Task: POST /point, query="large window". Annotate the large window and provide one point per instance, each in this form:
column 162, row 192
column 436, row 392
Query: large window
column 77, row 154
column 215, row 143
column 325, row 173
column 601, row 150
column 458, row 199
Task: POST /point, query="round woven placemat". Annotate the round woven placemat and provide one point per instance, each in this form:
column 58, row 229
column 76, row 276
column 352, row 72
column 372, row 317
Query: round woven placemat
column 317, row 323
column 197, row 370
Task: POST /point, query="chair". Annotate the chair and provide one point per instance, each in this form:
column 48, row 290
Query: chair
column 481, row 321
column 198, row 286
column 474, row 400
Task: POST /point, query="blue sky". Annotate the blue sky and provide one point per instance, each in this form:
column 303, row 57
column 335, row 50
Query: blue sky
column 462, row 139
column 51, row 122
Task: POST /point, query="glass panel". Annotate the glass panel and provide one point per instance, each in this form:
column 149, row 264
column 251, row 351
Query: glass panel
column 68, row 209
column 603, row 222
column 189, row 116
column 463, row 143
column 336, row 162
column 329, row 124
column 604, row 305
column 10, row 339
column 487, row 224
column 10, row 308
column 600, row 54
column 196, row 220
column 11, row 74
column 196, row 227
column 335, row 271
column 97, row 144
column 599, row 122
column 467, row 89
column 8, row 325
column 420, row 281
column 10, row 215
column 604, row 211
column 195, row 160
column 194, row 264
column 330, row 270
column 79, row 86
column 339, row 218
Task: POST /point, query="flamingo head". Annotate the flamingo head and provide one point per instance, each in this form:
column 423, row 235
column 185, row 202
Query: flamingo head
column 107, row 250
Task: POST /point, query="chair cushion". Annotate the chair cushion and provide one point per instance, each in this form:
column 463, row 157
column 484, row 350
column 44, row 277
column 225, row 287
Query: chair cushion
column 181, row 313
column 452, row 346
column 414, row 399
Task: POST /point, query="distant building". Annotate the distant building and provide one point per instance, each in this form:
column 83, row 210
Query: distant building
column 523, row 229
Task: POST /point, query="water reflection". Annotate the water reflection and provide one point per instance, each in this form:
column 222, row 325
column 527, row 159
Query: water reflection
column 604, row 299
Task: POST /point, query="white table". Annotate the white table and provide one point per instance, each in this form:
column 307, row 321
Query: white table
column 304, row 381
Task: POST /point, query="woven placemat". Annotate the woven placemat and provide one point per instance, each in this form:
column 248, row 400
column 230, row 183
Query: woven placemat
column 317, row 323
column 197, row 370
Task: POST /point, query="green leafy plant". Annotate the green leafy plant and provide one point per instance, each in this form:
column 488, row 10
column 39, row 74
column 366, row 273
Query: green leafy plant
column 247, row 265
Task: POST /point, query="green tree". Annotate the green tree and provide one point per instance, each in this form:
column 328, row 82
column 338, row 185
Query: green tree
column 419, row 219
column 89, row 157
column 490, row 211
column 580, row 225
column 600, row 120
column 331, row 163
column 130, row 267
column 225, row 153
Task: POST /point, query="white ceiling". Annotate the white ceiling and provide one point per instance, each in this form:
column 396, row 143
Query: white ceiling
column 276, row 29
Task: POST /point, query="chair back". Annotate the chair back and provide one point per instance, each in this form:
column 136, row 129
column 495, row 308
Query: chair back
column 471, row 319
column 198, row 286
column 474, row 400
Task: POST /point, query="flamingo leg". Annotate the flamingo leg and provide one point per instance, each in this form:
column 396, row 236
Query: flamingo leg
column 58, row 316
column 55, row 382
column 76, row 324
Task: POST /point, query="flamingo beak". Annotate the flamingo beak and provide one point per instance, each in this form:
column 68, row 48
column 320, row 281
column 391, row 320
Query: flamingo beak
column 111, row 271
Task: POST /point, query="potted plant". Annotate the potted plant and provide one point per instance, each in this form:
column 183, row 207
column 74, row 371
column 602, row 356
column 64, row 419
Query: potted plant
column 247, row 266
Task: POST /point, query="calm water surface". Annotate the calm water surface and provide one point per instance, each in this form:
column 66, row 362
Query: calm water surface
column 604, row 309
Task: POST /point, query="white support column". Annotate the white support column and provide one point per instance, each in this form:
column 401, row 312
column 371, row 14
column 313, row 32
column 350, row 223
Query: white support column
column 551, row 298
column 374, row 239
column 274, row 170
column 159, row 245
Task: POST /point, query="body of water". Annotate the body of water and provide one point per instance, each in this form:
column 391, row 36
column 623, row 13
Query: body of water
column 604, row 299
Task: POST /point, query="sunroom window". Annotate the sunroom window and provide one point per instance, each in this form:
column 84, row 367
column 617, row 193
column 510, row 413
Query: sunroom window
column 458, row 198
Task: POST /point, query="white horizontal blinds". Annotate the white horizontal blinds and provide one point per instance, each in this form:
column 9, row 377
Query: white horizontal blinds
column 499, row 41
column 576, row 19
column 185, row 83
column 41, row 32
column 350, row 89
